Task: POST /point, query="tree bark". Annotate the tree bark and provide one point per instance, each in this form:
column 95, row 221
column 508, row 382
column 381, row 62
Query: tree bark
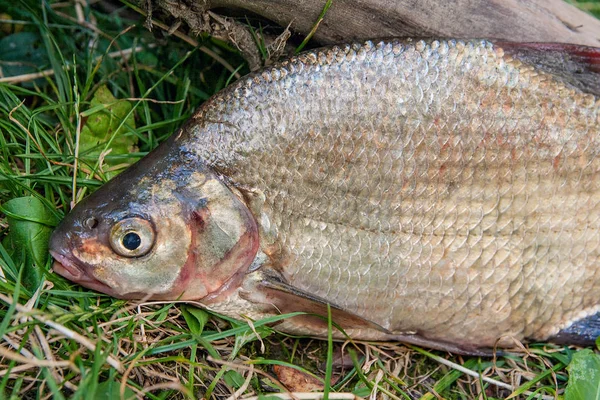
column 347, row 20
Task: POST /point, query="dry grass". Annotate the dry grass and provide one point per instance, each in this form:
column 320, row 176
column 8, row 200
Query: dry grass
column 62, row 341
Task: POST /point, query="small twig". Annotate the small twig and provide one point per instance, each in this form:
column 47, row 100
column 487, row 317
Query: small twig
column 11, row 355
column 79, row 12
column 15, row 370
column 462, row 369
column 244, row 38
column 189, row 40
column 474, row 374
column 26, row 353
column 124, row 54
column 27, row 77
column 113, row 362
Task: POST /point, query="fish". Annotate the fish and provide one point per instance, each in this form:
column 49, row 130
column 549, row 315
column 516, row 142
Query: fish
column 439, row 192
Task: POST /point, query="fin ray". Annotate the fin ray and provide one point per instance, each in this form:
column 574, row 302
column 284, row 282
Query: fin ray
column 268, row 287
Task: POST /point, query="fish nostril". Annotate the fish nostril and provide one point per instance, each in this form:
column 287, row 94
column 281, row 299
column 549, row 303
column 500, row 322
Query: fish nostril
column 91, row 223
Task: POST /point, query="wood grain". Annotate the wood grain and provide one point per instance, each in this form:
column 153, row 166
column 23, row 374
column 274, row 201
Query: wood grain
column 518, row 20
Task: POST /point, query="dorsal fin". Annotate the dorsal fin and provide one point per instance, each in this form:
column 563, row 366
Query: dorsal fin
column 573, row 64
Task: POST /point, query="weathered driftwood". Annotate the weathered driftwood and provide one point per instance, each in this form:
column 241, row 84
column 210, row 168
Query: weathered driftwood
column 516, row 20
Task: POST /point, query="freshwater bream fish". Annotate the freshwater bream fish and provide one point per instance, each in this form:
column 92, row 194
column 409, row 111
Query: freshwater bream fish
column 438, row 192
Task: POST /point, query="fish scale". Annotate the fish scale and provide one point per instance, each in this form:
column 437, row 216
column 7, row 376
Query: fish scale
column 440, row 192
column 450, row 211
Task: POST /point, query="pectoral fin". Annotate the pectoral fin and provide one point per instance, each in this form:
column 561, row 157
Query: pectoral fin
column 268, row 287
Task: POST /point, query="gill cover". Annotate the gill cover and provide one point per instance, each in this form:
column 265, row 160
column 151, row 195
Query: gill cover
column 163, row 229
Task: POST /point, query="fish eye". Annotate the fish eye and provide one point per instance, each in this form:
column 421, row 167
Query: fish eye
column 132, row 237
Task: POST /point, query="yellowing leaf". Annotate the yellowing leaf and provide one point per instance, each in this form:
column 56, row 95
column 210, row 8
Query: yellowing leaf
column 105, row 124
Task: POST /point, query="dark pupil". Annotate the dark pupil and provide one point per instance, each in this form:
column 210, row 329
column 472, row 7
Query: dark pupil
column 131, row 241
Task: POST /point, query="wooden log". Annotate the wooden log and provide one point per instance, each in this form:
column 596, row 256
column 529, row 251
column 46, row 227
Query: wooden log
column 346, row 20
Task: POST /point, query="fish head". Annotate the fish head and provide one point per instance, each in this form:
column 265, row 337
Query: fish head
column 167, row 228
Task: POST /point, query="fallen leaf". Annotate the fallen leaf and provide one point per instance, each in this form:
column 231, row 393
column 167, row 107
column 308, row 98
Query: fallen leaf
column 297, row 381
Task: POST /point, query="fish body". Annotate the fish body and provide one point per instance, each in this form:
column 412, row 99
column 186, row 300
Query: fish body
column 439, row 192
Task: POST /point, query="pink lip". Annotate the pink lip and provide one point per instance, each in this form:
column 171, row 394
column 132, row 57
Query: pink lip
column 68, row 269
column 64, row 267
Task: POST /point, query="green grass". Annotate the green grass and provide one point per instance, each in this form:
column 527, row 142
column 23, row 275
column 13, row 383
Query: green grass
column 591, row 6
column 62, row 341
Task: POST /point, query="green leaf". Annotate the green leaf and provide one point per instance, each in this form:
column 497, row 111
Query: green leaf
column 110, row 390
column 30, row 224
column 105, row 124
column 234, row 379
column 195, row 318
column 362, row 391
column 584, row 376
column 23, row 53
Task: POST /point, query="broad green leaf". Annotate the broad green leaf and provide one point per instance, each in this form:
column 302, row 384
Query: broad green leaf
column 195, row 318
column 111, row 390
column 584, row 376
column 23, row 53
column 105, row 120
column 30, row 225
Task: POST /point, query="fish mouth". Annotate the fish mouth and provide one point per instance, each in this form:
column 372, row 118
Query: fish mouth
column 68, row 269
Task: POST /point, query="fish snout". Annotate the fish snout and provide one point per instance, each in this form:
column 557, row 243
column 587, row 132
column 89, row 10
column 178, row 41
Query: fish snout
column 58, row 241
column 60, row 248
